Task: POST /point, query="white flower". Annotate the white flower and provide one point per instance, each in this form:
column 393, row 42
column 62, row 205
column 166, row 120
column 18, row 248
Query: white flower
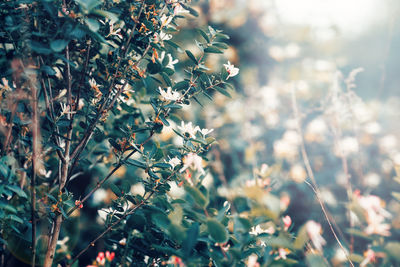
column 189, row 129
column 165, row 20
column 5, row 85
column 162, row 36
column 252, row 261
column 232, row 71
column 169, row 95
column 375, row 215
column 346, row 146
column 193, row 161
column 256, row 230
column 65, row 109
column 116, row 32
column 178, row 9
column 174, row 162
column 122, row 242
column 171, row 61
column 314, row 232
column 287, row 221
column 204, row 132
column 282, row 252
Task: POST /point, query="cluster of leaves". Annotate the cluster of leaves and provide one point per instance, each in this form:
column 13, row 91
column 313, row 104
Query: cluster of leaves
column 79, row 80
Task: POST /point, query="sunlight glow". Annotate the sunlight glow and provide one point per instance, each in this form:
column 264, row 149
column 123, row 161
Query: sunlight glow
column 350, row 16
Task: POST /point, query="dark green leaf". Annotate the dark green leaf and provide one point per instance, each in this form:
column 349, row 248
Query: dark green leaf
column 191, row 56
column 217, row 231
column 58, row 45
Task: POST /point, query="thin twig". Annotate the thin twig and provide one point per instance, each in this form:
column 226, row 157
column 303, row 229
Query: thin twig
column 35, row 132
column 311, row 175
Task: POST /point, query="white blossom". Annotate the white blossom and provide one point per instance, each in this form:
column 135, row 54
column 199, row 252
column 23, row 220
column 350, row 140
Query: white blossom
column 193, row 161
column 169, row 95
column 174, row 162
column 171, row 61
column 165, row 20
column 5, row 86
column 204, row 131
column 314, row 232
column 232, row 71
column 189, row 129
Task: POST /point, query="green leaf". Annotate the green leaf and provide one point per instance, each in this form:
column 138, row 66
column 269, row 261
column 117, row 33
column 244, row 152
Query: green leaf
column 93, row 24
column 191, row 56
column 58, row 45
column 220, row 45
column 191, row 239
column 40, row 48
column 393, row 249
column 180, row 86
column 217, row 231
column 88, row 5
column 136, row 163
column 7, row 207
column 204, row 34
column 48, row 70
column 115, row 189
column 197, row 196
column 17, row 190
column 154, row 68
column 15, row 218
column 162, row 165
column 111, row 16
column 212, row 49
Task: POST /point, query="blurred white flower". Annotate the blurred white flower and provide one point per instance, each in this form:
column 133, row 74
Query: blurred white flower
column 346, row 146
column 169, row 95
column 175, row 191
column 189, row 129
column 372, row 128
column 298, row 173
column 388, row 144
column 232, row 71
column 369, row 257
column 372, row 179
column 252, row 261
column 193, row 161
column 287, row 221
column 138, row 189
column 256, row 230
column 314, row 230
column 316, row 130
column 99, row 196
column 205, row 131
column 122, row 242
column 282, row 253
column 375, row 214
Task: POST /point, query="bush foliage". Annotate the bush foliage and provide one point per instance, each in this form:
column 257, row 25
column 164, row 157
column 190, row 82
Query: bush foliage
column 102, row 163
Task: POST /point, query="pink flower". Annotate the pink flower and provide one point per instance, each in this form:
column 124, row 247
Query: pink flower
column 287, row 221
column 101, row 260
column 314, row 232
column 110, row 256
